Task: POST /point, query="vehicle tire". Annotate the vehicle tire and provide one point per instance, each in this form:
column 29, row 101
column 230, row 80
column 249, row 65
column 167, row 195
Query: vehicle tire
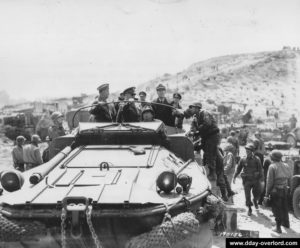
column 291, row 140
column 296, row 202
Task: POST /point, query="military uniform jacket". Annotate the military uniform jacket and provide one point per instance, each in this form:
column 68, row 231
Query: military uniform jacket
column 56, row 131
column 176, row 120
column 250, row 168
column 163, row 113
column 103, row 113
column 278, row 175
column 128, row 112
column 235, row 142
column 205, row 124
column 32, row 155
column 17, row 155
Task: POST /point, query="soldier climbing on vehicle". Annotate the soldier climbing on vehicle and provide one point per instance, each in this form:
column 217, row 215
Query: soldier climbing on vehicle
column 205, row 126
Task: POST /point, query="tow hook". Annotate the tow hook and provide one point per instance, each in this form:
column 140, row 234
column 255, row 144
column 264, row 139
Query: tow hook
column 75, row 206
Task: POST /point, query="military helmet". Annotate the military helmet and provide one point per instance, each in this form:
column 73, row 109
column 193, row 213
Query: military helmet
column 147, row 109
column 142, row 93
column 160, row 87
column 177, row 95
column 20, row 138
column 250, row 147
column 276, row 155
column 229, row 148
column 55, row 115
column 196, row 104
column 35, row 138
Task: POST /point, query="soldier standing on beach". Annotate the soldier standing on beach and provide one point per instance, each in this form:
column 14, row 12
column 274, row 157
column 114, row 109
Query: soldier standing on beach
column 252, row 174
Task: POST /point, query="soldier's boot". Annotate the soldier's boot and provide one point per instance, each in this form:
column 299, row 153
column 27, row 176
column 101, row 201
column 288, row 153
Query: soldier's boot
column 212, row 176
column 277, row 228
column 224, row 194
column 255, row 203
column 228, row 187
column 249, row 211
column 286, row 224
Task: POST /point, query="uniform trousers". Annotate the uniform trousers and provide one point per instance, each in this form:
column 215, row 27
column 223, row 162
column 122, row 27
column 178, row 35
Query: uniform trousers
column 254, row 185
column 279, row 204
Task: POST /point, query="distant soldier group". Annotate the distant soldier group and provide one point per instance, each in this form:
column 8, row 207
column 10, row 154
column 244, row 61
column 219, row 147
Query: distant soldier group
column 28, row 156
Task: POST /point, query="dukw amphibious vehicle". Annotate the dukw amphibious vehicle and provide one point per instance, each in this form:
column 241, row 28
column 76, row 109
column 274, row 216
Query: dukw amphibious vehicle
column 109, row 185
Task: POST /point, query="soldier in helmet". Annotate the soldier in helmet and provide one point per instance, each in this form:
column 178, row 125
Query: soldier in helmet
column 279, row 175
column 259, row 146
column 127, row 111
column 17, row 154
column 57, row 129
column 229, row 167
column 252, row 175
column 31, row 153
column 102, row 111
column 147, row 114
column 232, row 139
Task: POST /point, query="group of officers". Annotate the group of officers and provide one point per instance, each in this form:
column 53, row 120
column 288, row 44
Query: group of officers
column 127, row 109
column 263, row 178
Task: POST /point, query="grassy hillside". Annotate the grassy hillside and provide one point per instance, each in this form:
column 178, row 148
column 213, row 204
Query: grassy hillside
column 258, row 80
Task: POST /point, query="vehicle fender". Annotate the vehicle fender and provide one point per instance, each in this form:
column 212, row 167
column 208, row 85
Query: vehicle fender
column 291, row 134
column 295, row 182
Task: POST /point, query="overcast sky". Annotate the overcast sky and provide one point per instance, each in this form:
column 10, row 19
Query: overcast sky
column 60, row 48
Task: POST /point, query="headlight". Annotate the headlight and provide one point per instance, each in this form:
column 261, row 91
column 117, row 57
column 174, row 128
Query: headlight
column 185, row 181
column 166, row 181
column 11, row 180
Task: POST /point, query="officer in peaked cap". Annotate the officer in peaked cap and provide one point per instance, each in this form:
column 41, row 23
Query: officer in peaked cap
column 128, row 111
column 252, row 175
column 103, row 87
column 177, row 95
column 121, row 97
column 160, row 87
column 160, row 107
column 176, row 119
column 143, row 103
column 129, row 93
column 103, row 111
column 278, row 179
column 142, row 94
